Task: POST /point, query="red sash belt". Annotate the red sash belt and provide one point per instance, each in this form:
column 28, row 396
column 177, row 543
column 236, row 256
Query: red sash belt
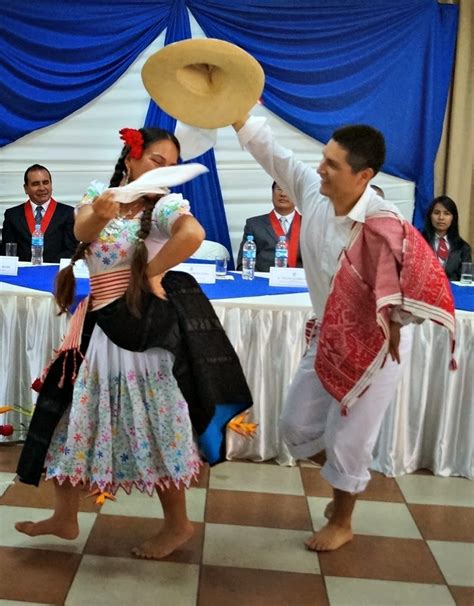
column 293, row 236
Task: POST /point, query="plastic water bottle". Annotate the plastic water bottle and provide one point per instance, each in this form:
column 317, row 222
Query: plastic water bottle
column 37, row 243
column 281, row 252
column 249, row 254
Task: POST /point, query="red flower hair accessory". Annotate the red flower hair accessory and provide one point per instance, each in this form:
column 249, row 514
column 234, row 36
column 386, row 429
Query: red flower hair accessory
column 6, row 430
column 134, row 139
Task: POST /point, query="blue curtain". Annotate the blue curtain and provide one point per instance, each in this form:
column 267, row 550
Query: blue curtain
column 327, row 63
column 333, row 62
column 59, row 55
column 204, row 193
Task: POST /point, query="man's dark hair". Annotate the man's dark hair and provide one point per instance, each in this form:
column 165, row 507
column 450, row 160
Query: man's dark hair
column 32, row 168
column 364, row 144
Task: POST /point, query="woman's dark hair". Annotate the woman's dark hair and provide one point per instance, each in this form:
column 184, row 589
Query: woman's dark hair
column 453, row 231
column 65, row 284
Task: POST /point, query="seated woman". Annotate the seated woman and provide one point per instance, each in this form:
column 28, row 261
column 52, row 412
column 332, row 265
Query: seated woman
column 441, row 231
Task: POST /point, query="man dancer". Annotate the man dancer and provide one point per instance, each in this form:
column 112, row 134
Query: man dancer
column 337, row 206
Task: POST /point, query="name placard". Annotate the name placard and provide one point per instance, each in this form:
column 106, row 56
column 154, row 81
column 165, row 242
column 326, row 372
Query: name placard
column 287, row 276
column 203, row 273
column 8, row 266
column 80, row 268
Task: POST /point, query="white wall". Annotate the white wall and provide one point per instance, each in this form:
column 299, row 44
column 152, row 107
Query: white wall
column 85, row 146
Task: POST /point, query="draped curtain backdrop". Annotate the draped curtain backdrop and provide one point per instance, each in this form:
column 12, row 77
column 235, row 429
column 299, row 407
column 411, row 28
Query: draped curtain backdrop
column 327, row 63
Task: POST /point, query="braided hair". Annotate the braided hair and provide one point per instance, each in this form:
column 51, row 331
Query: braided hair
column 65, row 283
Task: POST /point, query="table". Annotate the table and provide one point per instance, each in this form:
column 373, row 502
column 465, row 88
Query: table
column 428, row 426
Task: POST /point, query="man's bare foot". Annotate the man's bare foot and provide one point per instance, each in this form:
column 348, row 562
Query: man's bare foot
column 329, row 510
column 164, row 543
column 57, row 527
column 329, row 538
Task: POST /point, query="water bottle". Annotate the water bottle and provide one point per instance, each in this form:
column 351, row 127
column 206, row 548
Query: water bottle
column 249, row 253
column 281, row 252
column 37, row 243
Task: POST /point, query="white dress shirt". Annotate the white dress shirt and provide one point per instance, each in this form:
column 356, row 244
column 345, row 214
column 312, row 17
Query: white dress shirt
column 287, row 218
column 323, row 234
column 43, row 206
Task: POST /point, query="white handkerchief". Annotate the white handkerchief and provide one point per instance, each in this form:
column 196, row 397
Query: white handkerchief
column 157, row 181
column 194, row 141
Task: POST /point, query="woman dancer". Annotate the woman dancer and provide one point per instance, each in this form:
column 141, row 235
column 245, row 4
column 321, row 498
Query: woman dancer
column 128, row 423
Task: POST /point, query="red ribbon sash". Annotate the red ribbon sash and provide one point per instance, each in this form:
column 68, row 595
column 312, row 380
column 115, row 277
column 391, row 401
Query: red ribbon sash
column 30, row 219
column 293, row 235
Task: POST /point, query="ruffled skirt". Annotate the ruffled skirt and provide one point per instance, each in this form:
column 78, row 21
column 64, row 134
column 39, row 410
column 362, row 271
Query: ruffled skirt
column 128, row 424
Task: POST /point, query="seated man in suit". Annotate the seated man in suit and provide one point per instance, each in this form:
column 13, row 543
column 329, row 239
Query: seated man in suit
column 284, row 219
column 56, row 220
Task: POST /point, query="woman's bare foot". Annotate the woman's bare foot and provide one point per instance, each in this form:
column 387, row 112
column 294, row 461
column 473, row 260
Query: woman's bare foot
column 164, row 543
column 329, row 510
column 329, row 538
column 58, row 527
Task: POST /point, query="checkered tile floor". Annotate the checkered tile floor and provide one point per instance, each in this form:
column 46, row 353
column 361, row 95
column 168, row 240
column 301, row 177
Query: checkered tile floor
column 414, row 544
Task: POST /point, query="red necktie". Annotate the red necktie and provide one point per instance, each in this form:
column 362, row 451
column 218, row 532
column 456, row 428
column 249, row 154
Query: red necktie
column 443, row 251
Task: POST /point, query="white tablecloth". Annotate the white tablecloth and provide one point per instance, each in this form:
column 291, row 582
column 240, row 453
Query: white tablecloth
column 430, row 425
column 29, row 330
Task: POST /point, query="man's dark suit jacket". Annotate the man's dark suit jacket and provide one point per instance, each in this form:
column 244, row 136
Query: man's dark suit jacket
column 265, row 239
column 59, row 241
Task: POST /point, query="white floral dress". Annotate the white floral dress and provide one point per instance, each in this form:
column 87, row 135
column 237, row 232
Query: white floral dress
column 128, row 424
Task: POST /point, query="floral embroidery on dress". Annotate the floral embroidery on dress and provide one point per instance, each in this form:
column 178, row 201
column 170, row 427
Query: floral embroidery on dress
column 128, row 424
column 115, row 242
column 168, row 212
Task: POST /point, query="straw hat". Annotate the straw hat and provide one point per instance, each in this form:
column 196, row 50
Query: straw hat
column 206, row 82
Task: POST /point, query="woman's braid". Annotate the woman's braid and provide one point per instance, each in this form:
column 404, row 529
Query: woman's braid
column 138, row 281
column 65, row 282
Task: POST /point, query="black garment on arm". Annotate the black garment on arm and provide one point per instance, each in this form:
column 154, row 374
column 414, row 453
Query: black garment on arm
column 207, row 369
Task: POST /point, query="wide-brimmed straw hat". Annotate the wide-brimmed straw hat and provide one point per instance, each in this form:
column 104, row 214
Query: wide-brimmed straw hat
column 207, row 83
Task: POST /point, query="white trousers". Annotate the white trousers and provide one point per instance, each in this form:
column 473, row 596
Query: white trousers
column 311, row 420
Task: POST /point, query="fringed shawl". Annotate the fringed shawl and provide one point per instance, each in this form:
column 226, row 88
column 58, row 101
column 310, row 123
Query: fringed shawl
column 386, row 264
